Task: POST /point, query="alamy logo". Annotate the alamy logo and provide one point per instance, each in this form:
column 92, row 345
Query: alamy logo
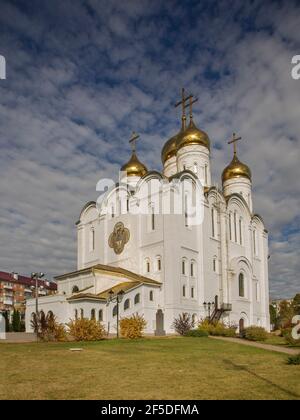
column 296, row 70
column 296, row 329
column 2, row 67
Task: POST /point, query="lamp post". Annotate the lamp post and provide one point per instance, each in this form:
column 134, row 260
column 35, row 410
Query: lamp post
column 112, row 297
column 209, row 306
column 37, row 277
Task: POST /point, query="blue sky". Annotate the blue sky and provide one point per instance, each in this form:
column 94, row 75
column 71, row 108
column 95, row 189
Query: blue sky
column 81, row 75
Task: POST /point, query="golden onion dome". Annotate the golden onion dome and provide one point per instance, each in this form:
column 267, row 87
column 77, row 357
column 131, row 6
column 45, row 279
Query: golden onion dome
column 236, row 169
column 170, row 149
column 134, row 167
column 193, row 135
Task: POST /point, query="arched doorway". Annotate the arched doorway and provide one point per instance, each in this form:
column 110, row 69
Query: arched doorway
column 160, row 323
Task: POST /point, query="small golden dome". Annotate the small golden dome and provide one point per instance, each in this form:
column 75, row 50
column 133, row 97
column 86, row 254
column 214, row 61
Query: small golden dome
column 193, row 135
column 170, row 149
column 236, row 169
column 134, row 167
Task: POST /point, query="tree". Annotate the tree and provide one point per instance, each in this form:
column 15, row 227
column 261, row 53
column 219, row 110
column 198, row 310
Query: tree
column 296, row 304
column 16, row 321
column 286, row 313
column 274, row 318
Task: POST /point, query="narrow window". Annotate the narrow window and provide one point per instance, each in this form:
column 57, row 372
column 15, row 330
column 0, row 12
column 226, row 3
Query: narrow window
column 100, row 315
column 137, row 299
column 92, row 240
column 241, row 285
column 183, row 267
column 93, row 314
column 213, row 222
column 127, row 205
column 257, row 292
column 214, row 265
column 152, row 219
column 240, row 230
column 112, row 212
column 126, row 304
column 115, row 310
column 151, row 295
column 192, row 269
column 81, row 313
column 76, row 314
column 159, row 264
column 235, row 232
column 192, row 292
column 148, row 266
column 183, row 291
column 195, row 168
column 205, row 174
column 186, row 219
column 230, row 233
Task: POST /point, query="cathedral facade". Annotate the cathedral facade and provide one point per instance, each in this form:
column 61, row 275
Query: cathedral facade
column 156, row 263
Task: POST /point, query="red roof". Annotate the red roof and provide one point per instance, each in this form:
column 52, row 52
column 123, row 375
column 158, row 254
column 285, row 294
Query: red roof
column 27, row 281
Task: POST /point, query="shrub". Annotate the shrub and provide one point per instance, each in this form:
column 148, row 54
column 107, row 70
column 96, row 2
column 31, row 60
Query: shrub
column 255, row 334
column 197, row 333
column 48, row 328
column 287, row 334
column 183, row 323
column 294, row 360
column 16, row 321
column 86, row 330
column 132, row 327
column 217, row 328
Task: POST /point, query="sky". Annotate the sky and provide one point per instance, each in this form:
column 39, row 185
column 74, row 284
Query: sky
column 82, row 75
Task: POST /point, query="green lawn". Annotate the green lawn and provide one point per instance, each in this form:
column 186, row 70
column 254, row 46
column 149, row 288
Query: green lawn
column 166, row 368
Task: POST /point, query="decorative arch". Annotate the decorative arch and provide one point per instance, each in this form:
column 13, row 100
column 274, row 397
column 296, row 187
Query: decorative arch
column 126, row 304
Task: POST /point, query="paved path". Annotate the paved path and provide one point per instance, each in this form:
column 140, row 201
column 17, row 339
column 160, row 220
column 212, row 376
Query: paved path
column 269, row 347
column 19, row 338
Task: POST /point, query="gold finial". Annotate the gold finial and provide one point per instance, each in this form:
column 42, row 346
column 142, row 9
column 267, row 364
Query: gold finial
column 183, row 104
column 234, row 140
column 133, row 140
column 190, row 105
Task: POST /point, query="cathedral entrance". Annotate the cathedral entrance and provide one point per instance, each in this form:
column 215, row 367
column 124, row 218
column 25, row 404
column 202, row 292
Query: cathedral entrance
column 160, row 323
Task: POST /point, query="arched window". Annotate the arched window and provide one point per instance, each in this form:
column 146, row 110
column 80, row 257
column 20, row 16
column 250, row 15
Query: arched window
column 158, row 264
column 126, row 304
column 50, row 315
column 192, row 269
column 115, row 310
column 137, row 299
column 235, row 228
column 92, row 240
column 81, row 313
column 183, row 267
column 147, row 265
column 151, row 298
column 75, row 289
column 240, row 231
column 215, row 264
column 93, row 314
column 100, row 315
column 76, row 314
column 213, row 222
column 241, row 285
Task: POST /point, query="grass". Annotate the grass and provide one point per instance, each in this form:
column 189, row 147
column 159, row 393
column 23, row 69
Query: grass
column 162, row 368
column 279, row 341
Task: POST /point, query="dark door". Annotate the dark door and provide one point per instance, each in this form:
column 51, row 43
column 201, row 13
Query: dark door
column 160, row 323
column 241, row 325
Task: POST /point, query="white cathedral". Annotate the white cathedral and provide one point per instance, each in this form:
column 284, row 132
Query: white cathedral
column 157, row 264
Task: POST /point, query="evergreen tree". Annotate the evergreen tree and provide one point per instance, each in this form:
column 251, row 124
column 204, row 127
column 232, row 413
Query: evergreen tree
column 16, row 321
column 296, row 304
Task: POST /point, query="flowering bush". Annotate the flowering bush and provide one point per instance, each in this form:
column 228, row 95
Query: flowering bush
column 218, row 328
column 183, row 324
column 132, row 327
column 86, row 330
column 255, row 334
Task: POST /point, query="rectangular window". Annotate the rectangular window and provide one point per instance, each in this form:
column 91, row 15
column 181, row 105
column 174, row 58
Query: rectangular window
column 205, row 169
column 192, row 292
column 159, row 264
column 152, row 219
column 235, row 232
column 183, row 291
column 183, row 267
column 186, row 219
column 192, row 269
column 214, row 265
column 148, row 267
column 230, row 233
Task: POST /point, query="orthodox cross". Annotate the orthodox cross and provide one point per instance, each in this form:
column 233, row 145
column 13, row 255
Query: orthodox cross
column 183, row 101
column 133, row 140
column 192, row 100
column 234, row 140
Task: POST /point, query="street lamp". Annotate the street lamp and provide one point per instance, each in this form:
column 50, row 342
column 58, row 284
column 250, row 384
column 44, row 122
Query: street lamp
column 209, row 306
column 115, row 298
column 37, row 277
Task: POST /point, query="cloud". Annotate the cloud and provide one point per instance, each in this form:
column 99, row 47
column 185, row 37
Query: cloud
column 82, row 75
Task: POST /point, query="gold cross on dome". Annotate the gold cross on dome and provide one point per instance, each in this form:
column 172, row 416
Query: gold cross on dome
column 133, row 140
column 234, row 140
column 183, row 101
column 190, row 105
